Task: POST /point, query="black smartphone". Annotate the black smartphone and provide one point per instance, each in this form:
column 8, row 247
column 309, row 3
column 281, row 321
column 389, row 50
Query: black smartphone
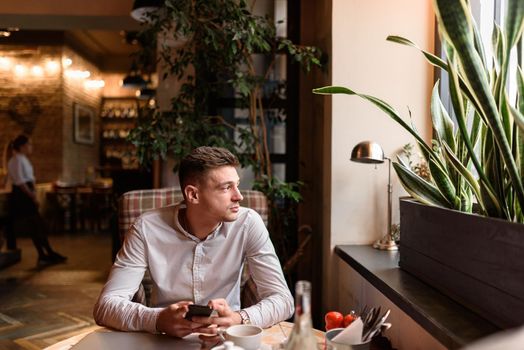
column 198, row 310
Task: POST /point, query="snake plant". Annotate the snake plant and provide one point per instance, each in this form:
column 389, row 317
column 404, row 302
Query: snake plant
column 479, row 158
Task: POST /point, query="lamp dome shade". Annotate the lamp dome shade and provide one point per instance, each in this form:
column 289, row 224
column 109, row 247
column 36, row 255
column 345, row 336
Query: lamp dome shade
column 133, row 82
column 367, row 152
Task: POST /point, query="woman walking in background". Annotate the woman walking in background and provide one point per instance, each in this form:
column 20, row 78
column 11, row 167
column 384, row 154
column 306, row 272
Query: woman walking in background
column 24, row 204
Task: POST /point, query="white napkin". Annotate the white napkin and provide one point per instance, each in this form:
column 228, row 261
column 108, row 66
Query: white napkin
column 352, row 334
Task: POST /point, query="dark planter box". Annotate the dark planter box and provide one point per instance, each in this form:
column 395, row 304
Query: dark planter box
column 477, row 261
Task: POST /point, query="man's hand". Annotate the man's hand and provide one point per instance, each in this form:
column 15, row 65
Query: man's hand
column 226, row 317
column 172, row 322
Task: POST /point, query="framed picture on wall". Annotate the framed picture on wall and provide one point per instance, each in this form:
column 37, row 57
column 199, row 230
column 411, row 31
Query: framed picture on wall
column 83, row 124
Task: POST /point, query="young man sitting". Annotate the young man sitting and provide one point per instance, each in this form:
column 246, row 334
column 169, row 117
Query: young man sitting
column 195, row 252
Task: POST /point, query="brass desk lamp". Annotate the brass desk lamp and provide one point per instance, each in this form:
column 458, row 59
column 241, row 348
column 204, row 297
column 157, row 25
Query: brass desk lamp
column 370, row 152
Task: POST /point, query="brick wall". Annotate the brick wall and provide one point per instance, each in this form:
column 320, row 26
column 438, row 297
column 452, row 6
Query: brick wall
column 78, row 156
column 36, row 97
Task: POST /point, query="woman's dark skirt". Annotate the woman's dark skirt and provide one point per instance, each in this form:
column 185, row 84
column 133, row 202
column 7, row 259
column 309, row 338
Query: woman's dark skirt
column 21, row 205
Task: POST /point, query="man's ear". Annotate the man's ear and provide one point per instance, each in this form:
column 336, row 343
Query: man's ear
column 191, row 193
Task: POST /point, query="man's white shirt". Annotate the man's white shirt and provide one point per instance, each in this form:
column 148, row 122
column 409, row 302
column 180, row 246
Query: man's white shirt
column 183, row 267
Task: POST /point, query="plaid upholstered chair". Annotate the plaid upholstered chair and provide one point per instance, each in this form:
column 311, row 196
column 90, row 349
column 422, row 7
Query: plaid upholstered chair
column 132, row 204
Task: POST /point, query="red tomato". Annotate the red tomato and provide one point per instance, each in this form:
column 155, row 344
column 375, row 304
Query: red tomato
column 334, row 319
column 348, row 319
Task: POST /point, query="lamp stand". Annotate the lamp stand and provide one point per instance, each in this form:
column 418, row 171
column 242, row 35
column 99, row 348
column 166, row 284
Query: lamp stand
column 387, row 242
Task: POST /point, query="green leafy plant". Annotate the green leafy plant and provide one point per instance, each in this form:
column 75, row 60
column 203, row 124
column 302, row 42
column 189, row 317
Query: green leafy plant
column 420, row 168
column 283, row 198
column 210, row 46
column 489, row 137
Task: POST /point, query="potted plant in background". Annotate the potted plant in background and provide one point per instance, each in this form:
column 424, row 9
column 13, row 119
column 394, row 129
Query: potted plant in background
column 463, row 233
column 213, row 48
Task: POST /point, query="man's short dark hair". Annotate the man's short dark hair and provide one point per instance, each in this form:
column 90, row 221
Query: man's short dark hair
column 196, row 164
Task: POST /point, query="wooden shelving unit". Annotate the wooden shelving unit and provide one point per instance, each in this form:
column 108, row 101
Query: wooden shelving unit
column 118, row 117
column 118, row 158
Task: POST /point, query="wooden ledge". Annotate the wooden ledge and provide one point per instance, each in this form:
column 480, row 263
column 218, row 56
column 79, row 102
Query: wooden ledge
column 447, row 321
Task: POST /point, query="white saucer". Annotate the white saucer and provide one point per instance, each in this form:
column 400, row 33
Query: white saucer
column 262, row 347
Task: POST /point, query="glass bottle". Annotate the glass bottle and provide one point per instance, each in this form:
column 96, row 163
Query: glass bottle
column 302, row 337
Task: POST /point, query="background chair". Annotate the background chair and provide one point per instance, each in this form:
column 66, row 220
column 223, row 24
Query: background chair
column 132, row 204
column 100, row 206
column 61, row 208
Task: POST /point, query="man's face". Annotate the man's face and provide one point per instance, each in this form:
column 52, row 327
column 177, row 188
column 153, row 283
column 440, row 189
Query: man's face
column 219, row 195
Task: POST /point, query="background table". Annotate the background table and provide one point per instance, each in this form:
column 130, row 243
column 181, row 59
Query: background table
column 81, row 207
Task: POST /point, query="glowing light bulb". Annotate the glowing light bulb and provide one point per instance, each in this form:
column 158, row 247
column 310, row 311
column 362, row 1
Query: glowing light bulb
column 37, row 70
column 66, row 61
column 94, row 84
column 78, row 74
column 52, row 66
column 20, row 70
column 5, row 63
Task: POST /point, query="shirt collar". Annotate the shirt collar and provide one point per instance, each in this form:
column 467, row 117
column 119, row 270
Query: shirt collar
column 179, row 228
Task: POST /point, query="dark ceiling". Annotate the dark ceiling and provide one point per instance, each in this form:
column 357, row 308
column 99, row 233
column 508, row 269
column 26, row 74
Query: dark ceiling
column 95, row 28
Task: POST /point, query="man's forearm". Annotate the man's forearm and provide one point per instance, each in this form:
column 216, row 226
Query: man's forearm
column 271, row 310
column 125, row 315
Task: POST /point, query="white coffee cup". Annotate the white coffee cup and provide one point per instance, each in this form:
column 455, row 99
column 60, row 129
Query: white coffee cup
column 246, row 336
